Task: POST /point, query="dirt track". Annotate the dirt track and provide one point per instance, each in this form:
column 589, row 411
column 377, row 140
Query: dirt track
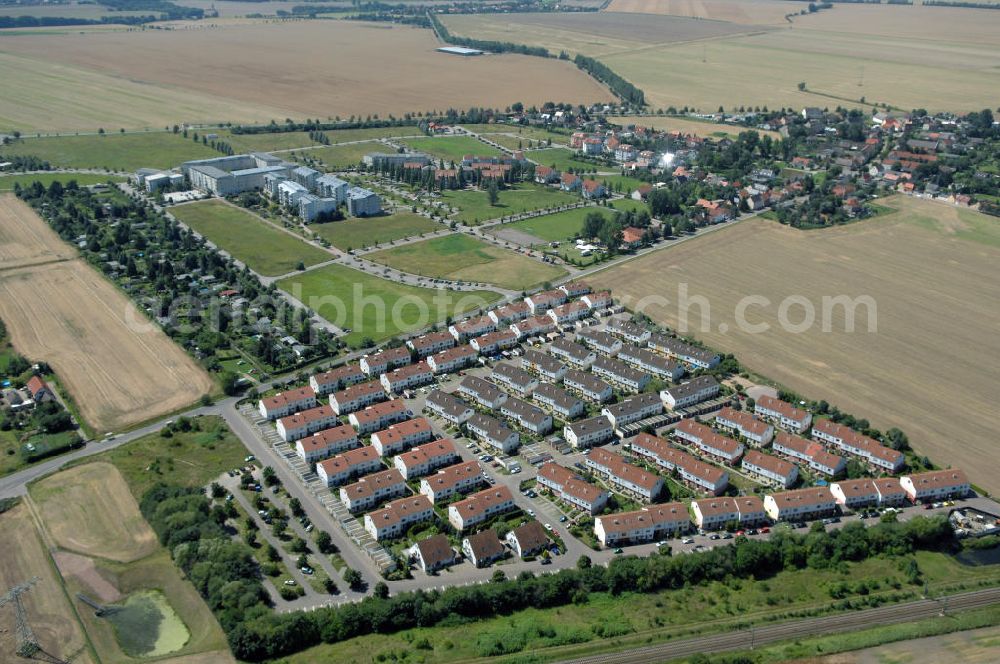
column 118, row 367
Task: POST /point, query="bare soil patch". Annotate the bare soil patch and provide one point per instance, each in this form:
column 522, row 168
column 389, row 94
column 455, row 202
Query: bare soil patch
column 84, row 570
column 95, row 494
column 930, row 368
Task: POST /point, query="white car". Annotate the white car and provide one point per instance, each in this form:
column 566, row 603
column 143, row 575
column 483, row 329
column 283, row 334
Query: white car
column 687, row 540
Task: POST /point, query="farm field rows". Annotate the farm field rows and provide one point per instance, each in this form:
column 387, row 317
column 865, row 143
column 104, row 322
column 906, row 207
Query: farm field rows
column 932, row 272
column 374, row 307
column 117, row 152
column 589, row 33
column 264, row 249
column 25, row 239
column 463, row 258
column 750, row 12
column 119, row 367
column 386, row 68
column 452, row 148
column 944, row 72
column 474, row 205
column 360, row 233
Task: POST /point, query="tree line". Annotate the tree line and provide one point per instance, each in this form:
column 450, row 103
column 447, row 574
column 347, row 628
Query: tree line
column 618, row 85
column 261, row 636
column 487, row 45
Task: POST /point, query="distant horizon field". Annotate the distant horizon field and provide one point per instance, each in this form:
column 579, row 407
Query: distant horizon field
column 263, row 248
column 931, row 270
column 133, row 79
column 461, row 257
column 365, row 302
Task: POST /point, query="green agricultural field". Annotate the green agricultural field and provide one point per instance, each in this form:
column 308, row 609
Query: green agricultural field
column 463, row 258
column 263, row 248
column 7, row 182
column 562, row 159
column 452, row 148
column 360, row 233
column 377, row 308
column 117, row 152
column 474, row 205
column 341, row 156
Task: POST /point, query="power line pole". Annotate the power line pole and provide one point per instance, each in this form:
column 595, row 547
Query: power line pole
column 27, row 643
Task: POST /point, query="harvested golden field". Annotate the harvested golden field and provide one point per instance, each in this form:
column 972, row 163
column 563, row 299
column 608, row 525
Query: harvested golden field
column 24, row 241
column 119, row 368
column 750, row 12
column 259, row 72
column 23, row 556
column 934, row 24
column 934, row 273
column 837, row 67
column 96, row 495
column 685, row 126
column 590, row 33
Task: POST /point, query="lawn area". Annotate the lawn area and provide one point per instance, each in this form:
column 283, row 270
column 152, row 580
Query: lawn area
column 605, row 622
column 369, row 133
column 359, row 233
column 263, row 248
column 119, row 152
column 342, row 156
column 622, row 184
column 267, row 142
column 553, row 227
column 374, row 307
column 186, row 458
column 452, row 148
column 562, row 159
column 474, row 205
column 564, row 225
column 7, row 182
column 464, row 258
column 689, row 126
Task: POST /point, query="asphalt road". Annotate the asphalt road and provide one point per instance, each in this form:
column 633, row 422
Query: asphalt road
column 766, row 634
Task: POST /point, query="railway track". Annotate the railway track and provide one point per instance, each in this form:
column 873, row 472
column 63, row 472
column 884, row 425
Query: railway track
column 766, row 634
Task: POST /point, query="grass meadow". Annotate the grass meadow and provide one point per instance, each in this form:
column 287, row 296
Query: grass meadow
column 452, row 148
column 361, row 233
column 114, row 151
column 374, row 307
column 263, row 248
column 474, row 204
column 464, row 258
column 7, row 182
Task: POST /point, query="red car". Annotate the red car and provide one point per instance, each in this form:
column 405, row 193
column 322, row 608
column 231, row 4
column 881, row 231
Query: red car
column 740, row 532
column 765, row 530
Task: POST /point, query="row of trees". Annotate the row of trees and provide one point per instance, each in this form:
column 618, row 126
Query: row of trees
column 261, row 637
column 618, row 85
